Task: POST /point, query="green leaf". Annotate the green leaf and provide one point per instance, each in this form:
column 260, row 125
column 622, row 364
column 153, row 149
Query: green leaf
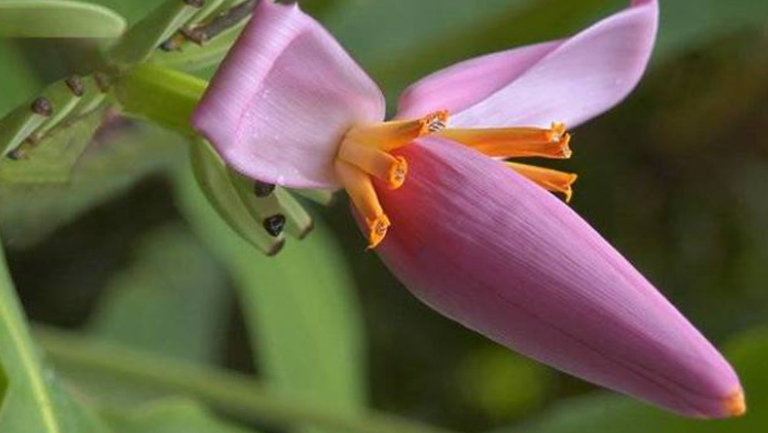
column 58, row 19
column 300, row 308
column 3, row 386
column 19, row 83
column 35, row 401
column 614, row 413
column 170, row 301
column 232, row 393
column 170, row 416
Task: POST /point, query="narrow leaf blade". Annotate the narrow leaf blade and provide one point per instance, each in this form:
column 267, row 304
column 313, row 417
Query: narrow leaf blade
column 58, row 19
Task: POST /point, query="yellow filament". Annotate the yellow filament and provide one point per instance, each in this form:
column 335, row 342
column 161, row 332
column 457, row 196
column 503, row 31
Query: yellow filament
column 364, row 198
column 374, row 161
column 551, row 180
column 391, row 135
column 515, row 142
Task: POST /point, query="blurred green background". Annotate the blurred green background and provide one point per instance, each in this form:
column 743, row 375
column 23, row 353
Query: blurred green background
column 676, row 178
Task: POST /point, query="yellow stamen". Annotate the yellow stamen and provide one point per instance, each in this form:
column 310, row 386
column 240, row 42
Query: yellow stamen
column 515, row 142
column 360, row 189
column 376, row 162
column 735, row 404
column 551, row 180
column 391, row 135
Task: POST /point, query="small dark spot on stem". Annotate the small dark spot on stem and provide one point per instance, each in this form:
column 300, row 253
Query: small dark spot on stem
column 76, row 85
column 102, row 81
column 42, row 106
column 275, row 224
column 263, row 189
column 195, row 3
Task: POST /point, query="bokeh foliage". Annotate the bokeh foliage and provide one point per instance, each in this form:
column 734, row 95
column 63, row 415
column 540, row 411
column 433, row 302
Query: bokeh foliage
column 127, row 253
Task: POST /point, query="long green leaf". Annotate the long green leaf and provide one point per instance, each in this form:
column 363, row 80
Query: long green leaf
column 3, row 386
column 58, row 19
column 170, row 416
column 170, row 301
column 299, row 306
column 232, row 393
column 35, row 402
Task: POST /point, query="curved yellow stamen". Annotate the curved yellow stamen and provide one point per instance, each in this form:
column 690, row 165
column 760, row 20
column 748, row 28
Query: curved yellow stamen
column 551, row 180
column 515, row 142
column 391, row 135
column 363, row 195
column 376, row 162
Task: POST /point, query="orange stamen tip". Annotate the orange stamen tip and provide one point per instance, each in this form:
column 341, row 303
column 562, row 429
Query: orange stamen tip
column 378, row 228
column 557, row 135
column 735, row 404
column 397, row 173
column 433, row 122
column 551, row 180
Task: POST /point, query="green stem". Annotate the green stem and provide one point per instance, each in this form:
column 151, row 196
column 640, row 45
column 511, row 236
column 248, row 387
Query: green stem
column 232, row 393
column 165, row 96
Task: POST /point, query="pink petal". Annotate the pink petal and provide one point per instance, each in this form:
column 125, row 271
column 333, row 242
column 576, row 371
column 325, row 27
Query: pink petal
column 462, row 85
column 568, row 81
column 488, row 248
column 283, row 99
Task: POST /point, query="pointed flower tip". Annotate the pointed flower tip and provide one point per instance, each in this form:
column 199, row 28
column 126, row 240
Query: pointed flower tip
column 735, row 404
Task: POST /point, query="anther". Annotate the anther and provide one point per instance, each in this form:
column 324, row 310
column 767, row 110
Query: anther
column 436, row 121
column 377, row 230
column 275, row 224
column 42, row 106
column 262, row 189
column 76, row 85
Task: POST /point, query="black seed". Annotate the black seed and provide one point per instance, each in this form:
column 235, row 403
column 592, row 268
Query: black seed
column 42, row 106
column 275, row 224
column 76, row 85
column 262, row 189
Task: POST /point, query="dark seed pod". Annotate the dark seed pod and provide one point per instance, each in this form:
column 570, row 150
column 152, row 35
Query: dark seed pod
column 42, row 106
column 76, row 85
column 275, row 224
column 262, row 189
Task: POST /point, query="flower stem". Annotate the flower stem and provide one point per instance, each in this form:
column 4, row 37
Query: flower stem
column 165, row 96
column 235, row 394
